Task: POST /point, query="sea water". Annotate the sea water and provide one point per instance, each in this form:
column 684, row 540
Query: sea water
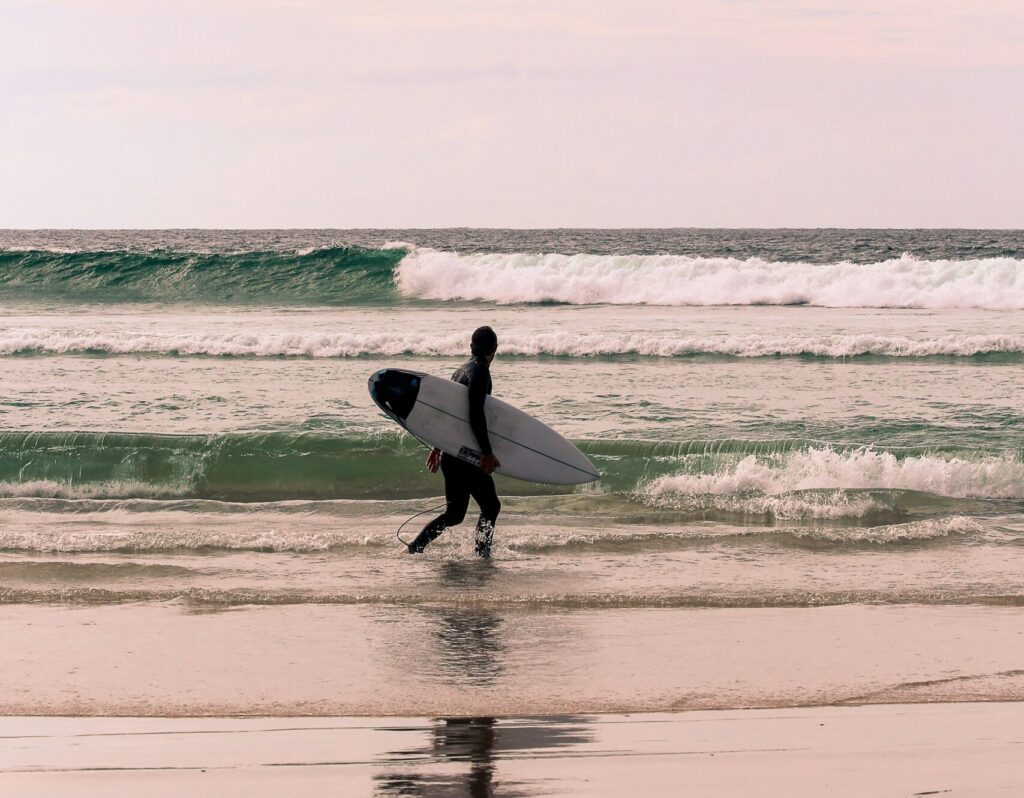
column 782, row 419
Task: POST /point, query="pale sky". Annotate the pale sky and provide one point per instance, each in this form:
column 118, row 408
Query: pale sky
column 589, row 113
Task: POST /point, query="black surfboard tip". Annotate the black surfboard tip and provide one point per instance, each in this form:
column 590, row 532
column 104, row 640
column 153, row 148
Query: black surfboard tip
column 395, row 391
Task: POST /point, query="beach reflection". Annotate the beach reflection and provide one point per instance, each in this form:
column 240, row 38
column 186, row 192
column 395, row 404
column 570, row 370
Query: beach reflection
column 461, row 756
column 471, row 649
column 458, row 740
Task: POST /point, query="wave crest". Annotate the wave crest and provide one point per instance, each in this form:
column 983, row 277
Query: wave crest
column 554, row 344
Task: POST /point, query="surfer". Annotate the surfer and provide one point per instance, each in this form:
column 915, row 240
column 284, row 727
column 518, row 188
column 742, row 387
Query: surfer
column 463, row 480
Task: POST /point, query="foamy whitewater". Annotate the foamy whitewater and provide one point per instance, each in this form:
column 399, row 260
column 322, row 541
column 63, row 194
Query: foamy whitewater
column 904, row 282
column 781, row 418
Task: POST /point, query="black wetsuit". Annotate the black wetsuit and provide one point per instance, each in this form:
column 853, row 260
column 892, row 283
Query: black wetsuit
column 462, row 479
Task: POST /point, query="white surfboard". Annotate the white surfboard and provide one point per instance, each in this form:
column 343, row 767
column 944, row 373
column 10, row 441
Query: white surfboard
column 436, row 411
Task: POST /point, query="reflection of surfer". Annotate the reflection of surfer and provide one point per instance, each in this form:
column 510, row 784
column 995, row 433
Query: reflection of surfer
column 458, row 740
column 482, row 742
column 461, row 479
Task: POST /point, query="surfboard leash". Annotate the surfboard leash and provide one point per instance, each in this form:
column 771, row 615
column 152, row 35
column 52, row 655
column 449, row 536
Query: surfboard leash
column 429, row 447
column 398, row 533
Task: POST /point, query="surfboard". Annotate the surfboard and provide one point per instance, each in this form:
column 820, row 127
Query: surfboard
column 436, row 411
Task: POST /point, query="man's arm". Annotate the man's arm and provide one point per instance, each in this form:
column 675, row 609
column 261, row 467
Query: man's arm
column 477, row 419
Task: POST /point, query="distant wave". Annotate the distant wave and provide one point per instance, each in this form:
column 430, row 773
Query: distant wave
column 554, row 344
column 324, row 276
column 905, row 282
column 401, row 272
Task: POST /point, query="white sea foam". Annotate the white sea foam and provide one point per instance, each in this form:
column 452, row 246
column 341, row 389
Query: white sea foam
column 927, row 529
column 266, row 530
column 905, row 282
column 774, row 485
column 297, row 538
column 561, row 344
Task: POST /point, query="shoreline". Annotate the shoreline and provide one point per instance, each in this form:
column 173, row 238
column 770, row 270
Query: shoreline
column 538, row 716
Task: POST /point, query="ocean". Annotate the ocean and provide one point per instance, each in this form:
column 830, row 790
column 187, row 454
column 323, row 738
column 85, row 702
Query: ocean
column 786, row 421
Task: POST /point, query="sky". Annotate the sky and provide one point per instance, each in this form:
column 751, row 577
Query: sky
column 586, row 113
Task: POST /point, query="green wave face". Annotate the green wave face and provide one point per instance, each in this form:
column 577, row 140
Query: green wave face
column 723, row 478
column 236, row 467
column 232, row 467
column 330, row 276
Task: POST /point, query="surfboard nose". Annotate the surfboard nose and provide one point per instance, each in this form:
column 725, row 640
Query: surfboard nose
column 395, row 391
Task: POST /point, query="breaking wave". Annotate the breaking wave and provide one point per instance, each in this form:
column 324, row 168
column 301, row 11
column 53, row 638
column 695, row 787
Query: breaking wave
column 343, row 275
column 828, row 468
column 905, row 282
column 829, row 483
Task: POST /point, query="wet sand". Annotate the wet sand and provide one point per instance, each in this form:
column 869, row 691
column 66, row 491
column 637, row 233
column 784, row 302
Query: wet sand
column 884, row 750
column 170, row 659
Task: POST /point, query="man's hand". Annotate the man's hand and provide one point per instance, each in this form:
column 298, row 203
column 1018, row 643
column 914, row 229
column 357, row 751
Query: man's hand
column 488, row 463
column 434, row 460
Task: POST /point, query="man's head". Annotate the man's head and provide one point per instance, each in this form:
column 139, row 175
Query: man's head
column 484, row 343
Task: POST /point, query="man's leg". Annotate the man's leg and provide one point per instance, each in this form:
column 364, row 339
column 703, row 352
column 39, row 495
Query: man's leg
column 483, row 492
column 456, row 496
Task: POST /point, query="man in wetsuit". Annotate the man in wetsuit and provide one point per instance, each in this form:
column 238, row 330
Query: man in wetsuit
column 462, row 479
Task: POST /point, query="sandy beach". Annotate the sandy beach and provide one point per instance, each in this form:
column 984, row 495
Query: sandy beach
column 476, row 699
